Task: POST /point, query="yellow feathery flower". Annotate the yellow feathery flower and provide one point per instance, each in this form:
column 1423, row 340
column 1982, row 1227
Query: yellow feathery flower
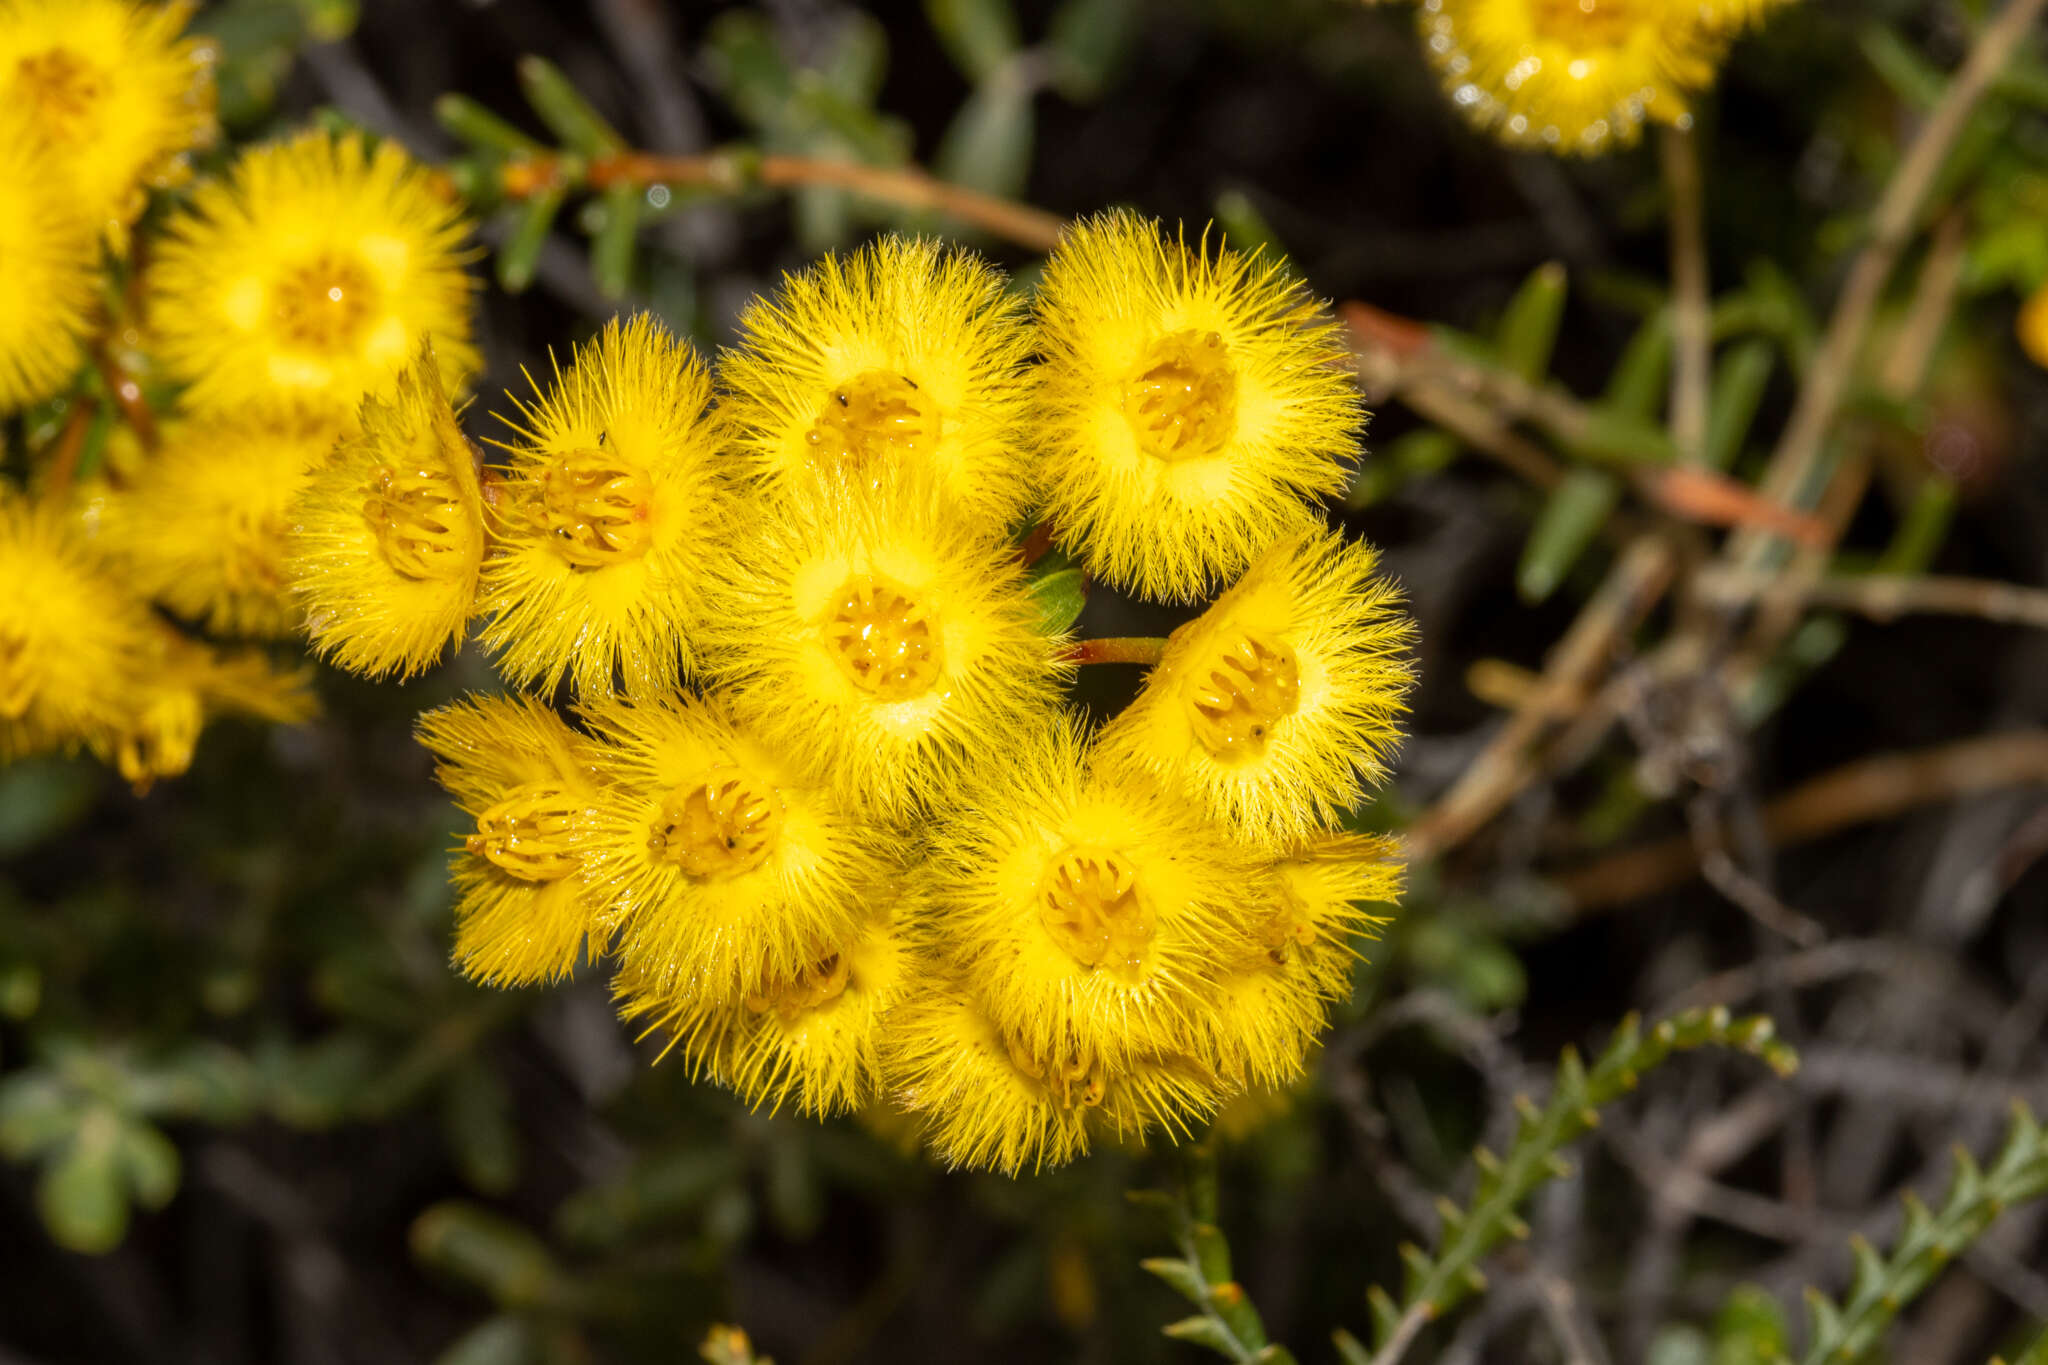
column 608, row 516
column 1266, row 1011
column 1087, row 909
column 724, row 866
column 183, row 684
column 387, row 537
column 306, row 279
column 113, row 90
column 811, row 1038
column 525, row 904
column 1575, row 76
column 872, row 626
column 51, row 249
column 1190, row 402
column 990, row 1102
column 1278, row 704
column 202, row 527
column 71, row 641
column 904, row 353
column 1732, row 16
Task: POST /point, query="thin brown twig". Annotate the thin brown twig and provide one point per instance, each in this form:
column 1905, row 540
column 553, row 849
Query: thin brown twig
column 1867, row 790
column 1803, row 442
column 1691, row 342
column 1886, row 597
column 733, row 171
column 63, row 465
column 128, row 396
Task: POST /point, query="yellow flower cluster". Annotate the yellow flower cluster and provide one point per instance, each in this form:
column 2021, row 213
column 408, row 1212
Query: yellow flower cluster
column 1580, row 76
column 822, row 799
column 101, row 102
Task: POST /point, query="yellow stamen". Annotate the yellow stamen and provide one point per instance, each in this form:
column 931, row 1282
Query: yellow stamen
column 883, row 639
column 722, row 824
column 875, row 414
column 1594, row 23
column 597, row 508
column 1238, row 694
column 325, row 304
column 1089, row 903
column 420, row 522
column 62, row 88
column 1183, row 403
column 532, row 833
column 1072, row 1081
column 820, row 983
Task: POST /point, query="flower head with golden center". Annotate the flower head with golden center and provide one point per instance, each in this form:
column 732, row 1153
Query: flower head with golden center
column 387, row 537
column 992, row 1101
column 1190, row 402
column 610, row 516
column 305, row 280
column 73, row 645
column 525, row 901
column 1086, row 905
column 51, row 248
column 877, row 630
column 1277, row 705
column 811, row 1037
column 115, row 94
column 203, row 525
column 905, row 354
column 723, row 864
column 1574, row 76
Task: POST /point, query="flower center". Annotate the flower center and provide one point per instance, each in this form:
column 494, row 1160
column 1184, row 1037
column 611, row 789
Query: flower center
column 1592, row 23
column 62, row 87
column 877, row 413
column 1071, row 1080
column 818, row 984
column 597, row 509
column 325, row 304
column 1183, row 403
column 161, row 740
column 18, row 679
column 1240, row 692
column 533, row 833
column 420, row 522
column 720, row 825
column 1088, row 901
column 884, row 639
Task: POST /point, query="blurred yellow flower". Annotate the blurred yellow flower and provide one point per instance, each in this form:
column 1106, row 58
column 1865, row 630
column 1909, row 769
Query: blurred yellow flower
column 305, row 280
column 2032, row 327
column 608, row 519
column 1189, row 402
column 50, row 247
column 202, row 527
column 1576, row 76
column 904, row 353
column 114, row 92
column 72, row 643
column 184, row 683
column 387, row 536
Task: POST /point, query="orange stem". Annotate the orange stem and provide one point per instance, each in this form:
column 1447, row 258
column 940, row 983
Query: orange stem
column 128, row 396
column 1130, row 649
column 903, row 185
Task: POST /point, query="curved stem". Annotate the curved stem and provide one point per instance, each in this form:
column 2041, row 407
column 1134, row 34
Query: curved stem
column 734, row 170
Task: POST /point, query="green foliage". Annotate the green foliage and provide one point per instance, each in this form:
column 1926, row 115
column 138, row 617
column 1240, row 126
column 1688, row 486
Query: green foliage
column 1884, row 1283
column 1227, row 1323
column 1438, row 1282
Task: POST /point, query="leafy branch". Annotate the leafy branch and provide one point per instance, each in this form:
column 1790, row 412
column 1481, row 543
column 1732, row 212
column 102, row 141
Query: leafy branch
column 1882, row 1285
column 1437, row 1283
column 1228, row 1323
